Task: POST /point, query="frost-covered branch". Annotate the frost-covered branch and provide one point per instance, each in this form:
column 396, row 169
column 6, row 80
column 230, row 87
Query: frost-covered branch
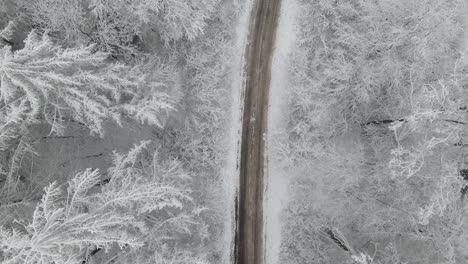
column 46, row 81
column 64, row 226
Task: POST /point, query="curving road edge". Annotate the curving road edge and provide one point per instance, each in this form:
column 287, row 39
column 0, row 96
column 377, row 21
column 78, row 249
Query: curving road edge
column 249, row 244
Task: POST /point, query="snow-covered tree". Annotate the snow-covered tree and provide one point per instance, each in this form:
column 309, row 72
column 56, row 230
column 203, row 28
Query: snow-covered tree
column 143, row 206
column 67, row 19
column 361, row 72
column 118, row 26
column 174, row 19
column 376, row 108
column 47, row 82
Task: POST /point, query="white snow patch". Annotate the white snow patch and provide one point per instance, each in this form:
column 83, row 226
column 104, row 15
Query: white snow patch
column 231, row 170
column 276, row 179
column 465, row 39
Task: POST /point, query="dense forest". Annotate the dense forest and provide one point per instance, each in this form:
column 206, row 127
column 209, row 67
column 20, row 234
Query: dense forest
column 114, row 125
column 120, row 131
column 375, row 145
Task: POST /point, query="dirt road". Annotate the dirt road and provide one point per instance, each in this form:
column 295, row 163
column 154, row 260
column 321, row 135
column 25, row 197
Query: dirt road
column 262, row 33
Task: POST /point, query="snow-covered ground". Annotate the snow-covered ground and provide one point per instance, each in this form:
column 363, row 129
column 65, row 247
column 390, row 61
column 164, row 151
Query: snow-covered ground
column 276, row 183
column 465, row 39
column 231, row 170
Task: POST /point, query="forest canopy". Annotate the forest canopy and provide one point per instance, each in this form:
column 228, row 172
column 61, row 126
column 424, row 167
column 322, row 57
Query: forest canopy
column 111, row 143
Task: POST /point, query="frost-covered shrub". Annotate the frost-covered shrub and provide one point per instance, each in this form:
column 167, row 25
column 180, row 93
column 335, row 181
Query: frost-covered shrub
column 66, row 18
column 176, row 19
column 119, row 26
column 172, row 19
column 7, row 34
column 199, row 134
column 370, row 59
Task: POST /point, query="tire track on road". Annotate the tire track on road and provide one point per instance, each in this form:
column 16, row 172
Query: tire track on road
column 249, row 244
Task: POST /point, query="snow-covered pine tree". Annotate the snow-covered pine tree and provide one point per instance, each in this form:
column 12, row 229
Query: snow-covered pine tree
column 45, row 81
column 142, row 211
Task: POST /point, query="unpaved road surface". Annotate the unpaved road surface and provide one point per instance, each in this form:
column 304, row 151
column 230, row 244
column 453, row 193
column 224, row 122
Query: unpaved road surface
column 249, row 246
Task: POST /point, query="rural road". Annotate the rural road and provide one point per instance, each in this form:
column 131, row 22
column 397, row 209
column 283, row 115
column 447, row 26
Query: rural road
column 249, row 244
